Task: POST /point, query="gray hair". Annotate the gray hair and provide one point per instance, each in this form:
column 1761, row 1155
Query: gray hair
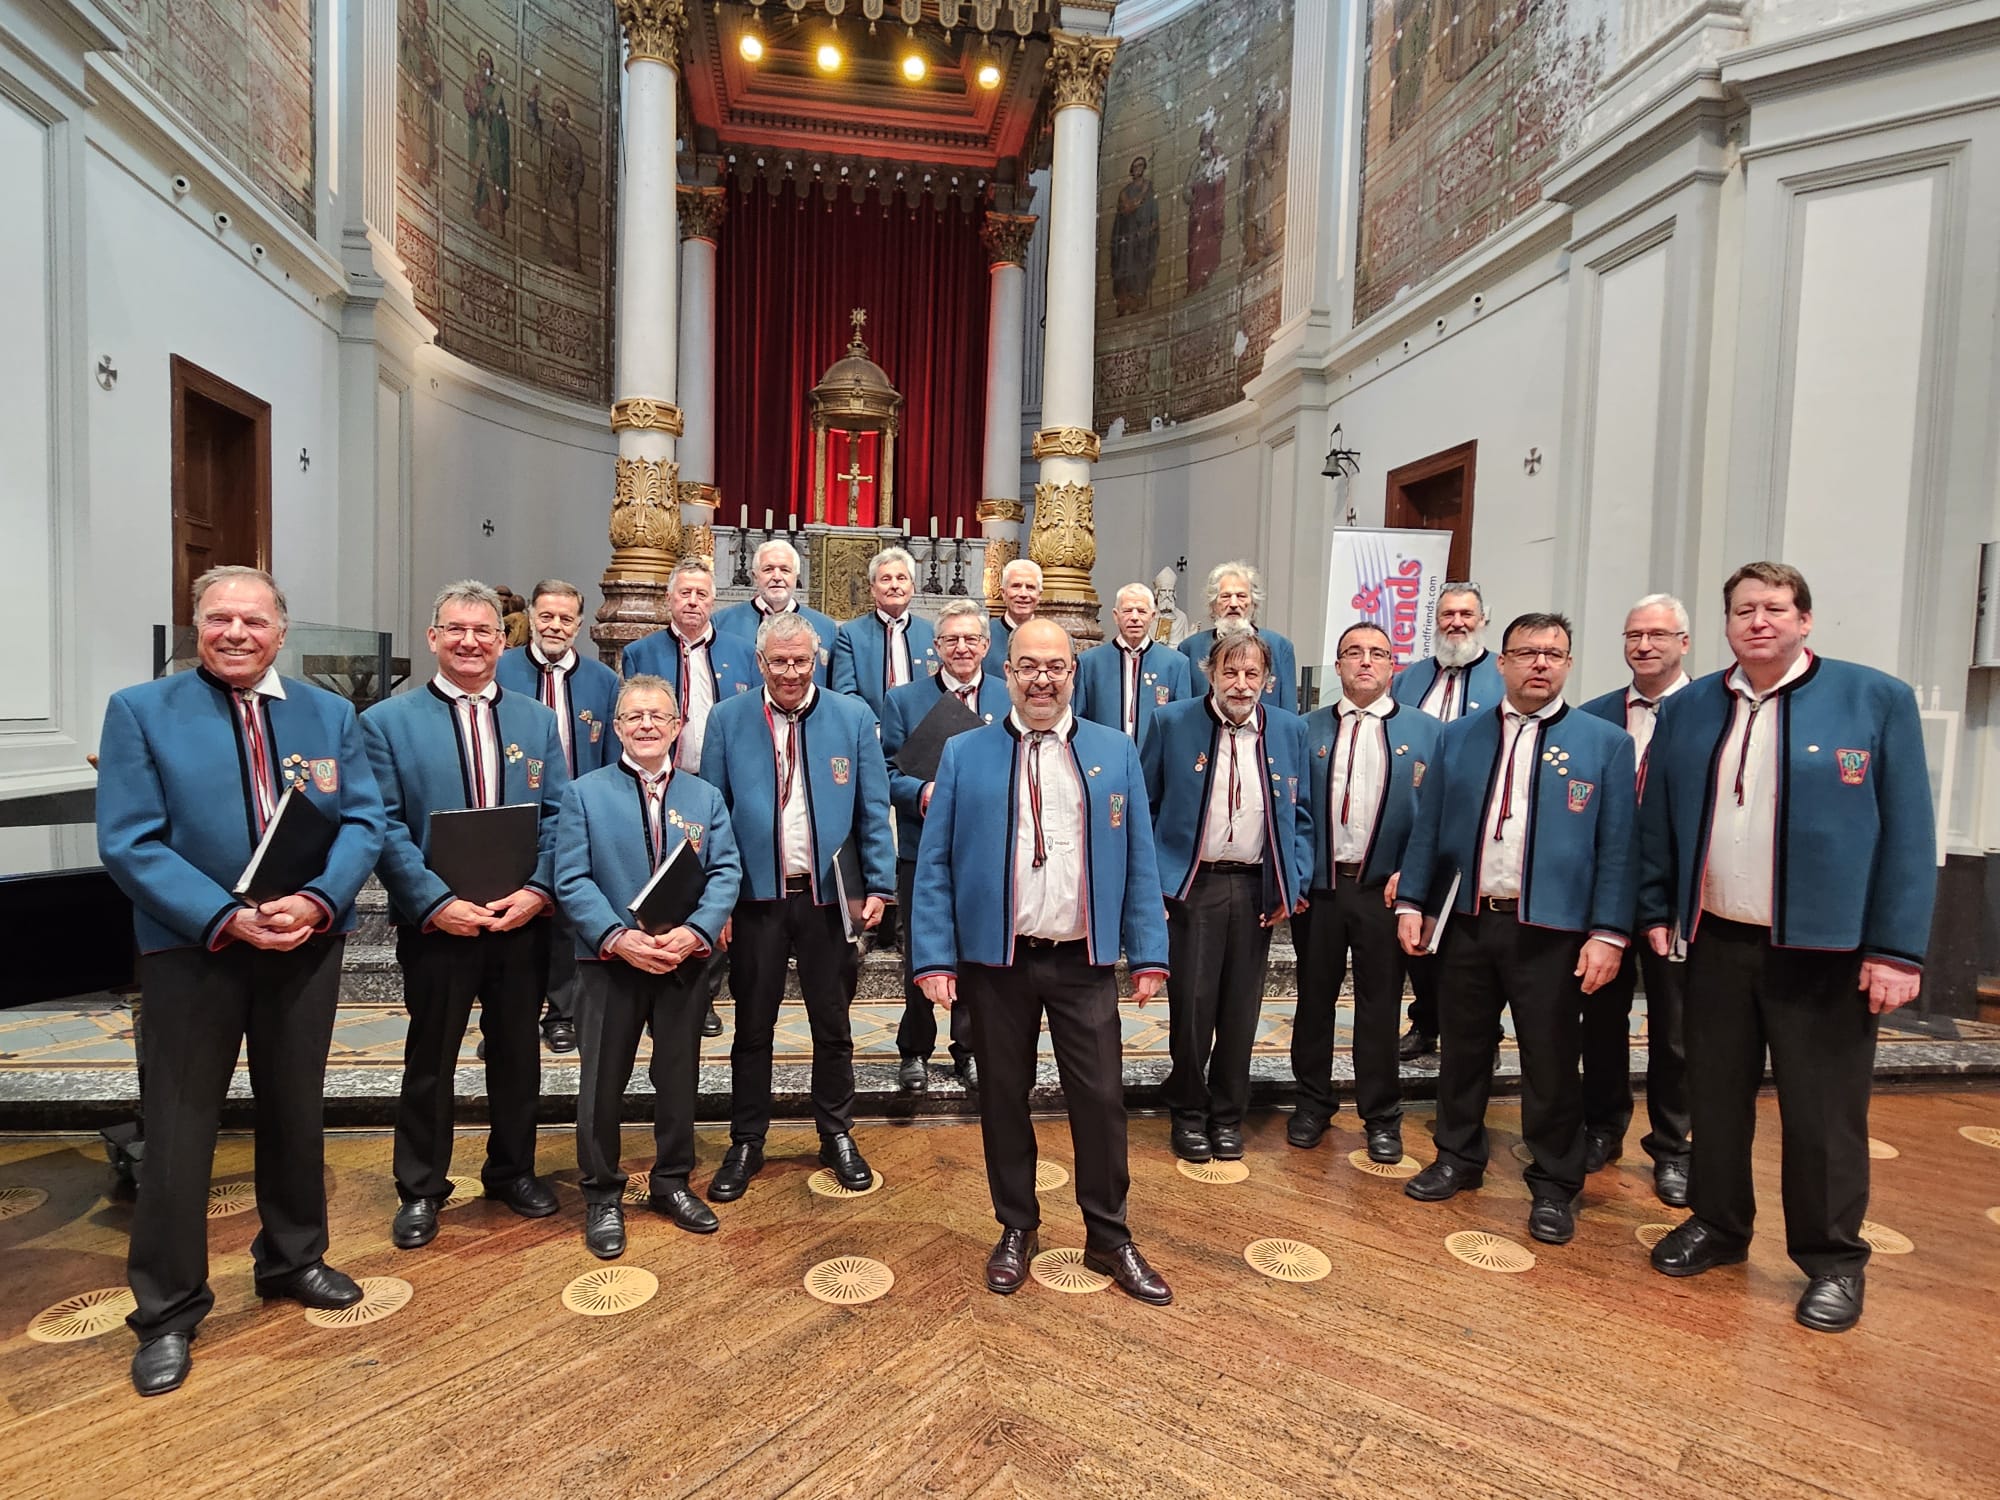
column 1464, row 586
column 1118, row 600
column 788, row 626
column 559, row 588
column 959, row 609
column 466, row 591
column 776, row 544
column 889, row 555
column 646, row 682
column 1663, row 601
column 1252, row 579
column 229, row 571
column 1233, row 637
column 695, row 564
column 1021, row 565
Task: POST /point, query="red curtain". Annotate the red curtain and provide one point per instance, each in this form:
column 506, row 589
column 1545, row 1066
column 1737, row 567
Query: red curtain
column 788, row 271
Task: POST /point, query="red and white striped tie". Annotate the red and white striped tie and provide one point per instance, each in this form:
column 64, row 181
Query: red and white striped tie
column 263, row 782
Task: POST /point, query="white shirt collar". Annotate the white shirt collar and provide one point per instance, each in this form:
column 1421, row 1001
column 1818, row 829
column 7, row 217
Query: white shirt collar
column 953, row 685
column 812, row 692
column 1222, row 714
column 1547, row 711
column 454, row 692
column 665, row 773
column 1740, row 684
column 706, row 637
column 1139, row 650
column 565, row 663
column 270, row 685
column 1633, row 695
column 1381, row 708
column 894, row 622
column 764, row 607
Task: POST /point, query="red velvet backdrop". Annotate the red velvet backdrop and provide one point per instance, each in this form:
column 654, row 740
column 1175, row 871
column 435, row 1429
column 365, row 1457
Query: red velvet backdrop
column 788, row 271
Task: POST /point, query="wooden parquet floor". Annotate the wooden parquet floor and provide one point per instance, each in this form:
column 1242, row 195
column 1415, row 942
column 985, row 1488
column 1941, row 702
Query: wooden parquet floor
column 1403, row 1373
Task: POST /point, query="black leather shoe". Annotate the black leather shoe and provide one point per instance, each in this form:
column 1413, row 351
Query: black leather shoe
column 416, row 1223
column 711, row 1024
column 318, row 1285
column 1552, row 1221
column 850, row 1167
column 1600, row 1149
column 1385, row 1144
column 1305, row 1129
column 527, row 1195
column 1007, row 1266
column 161, row 1364
column 1226, row 1141
column 559, row 1034
column 1441, row 1180
column 1831, row 1304
column 686, row 1210
column 1190, row 1143
column 1693, row 1247
column 604, row 1230
column 966, row 1071
column 1135, row 1278
column 743, row 1161
column 913, row 1075
column 1670, row 1182
column 1415, row 1044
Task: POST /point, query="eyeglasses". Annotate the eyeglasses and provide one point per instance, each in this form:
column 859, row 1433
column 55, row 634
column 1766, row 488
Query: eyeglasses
column 795, row 665
column 1028, row 671
column 484, row 634
column 961, row 640
column 1367, row 653
column 1648, row 637
column 649, row 716
column 1528, row 655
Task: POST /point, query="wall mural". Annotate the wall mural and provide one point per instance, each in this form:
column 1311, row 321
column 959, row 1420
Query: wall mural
column 1192, row 175
column 1468, row 103
column 506, row 159
column 241, row 75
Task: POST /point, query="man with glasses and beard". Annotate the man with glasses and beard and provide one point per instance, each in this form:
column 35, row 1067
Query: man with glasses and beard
column 775, row 568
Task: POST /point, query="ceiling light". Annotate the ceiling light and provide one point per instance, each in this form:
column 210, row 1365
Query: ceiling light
column 829, row 57
column 913, row 68
column 989, row 75
column 750, row 46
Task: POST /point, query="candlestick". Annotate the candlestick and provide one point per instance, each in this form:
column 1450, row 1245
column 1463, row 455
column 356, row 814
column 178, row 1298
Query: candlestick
column 958, row 568
column 767, row 518
column 958, row 529
column 933, row 528
column 743, row 518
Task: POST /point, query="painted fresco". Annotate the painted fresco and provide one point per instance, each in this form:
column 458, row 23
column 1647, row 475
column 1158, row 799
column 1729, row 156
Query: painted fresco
column 1191, row 176
column 1468, row 103
column 506, row 139
column 240, row 73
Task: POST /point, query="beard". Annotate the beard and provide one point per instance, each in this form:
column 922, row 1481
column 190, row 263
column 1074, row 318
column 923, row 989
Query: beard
column 1456, row 653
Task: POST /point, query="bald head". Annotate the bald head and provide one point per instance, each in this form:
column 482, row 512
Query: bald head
column 1041, row 672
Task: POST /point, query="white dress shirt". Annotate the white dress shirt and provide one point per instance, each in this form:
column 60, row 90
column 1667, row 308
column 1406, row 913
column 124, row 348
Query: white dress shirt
column 1642, row 716
column 794, row 820
column 1360, row 771
column 1048, row 902
column 1446, row 698
column 895, row 648
column 1504, row 841
column 654, row 788
column 554, row 693
column 966, row 692
column 697, row 697
column 1742, row 835
column 1233, row 827
column 472, row 714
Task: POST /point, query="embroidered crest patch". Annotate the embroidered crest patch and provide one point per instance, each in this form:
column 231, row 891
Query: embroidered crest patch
column 1853, row 766
column 1416, row 774
column 694, row 832
column 326, row 775
column 1162, row 696
column 534, row 774
column 1117, row 810
column 840, row 770
column 1579, row 795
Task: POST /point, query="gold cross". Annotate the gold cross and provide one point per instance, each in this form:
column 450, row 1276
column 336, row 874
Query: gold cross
column 854, row 476
column 857, row 318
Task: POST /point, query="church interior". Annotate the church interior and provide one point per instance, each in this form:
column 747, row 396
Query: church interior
column 381, row 294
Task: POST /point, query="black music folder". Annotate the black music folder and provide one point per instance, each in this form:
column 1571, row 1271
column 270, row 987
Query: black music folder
column 484, row 853
column 921, row 752
column 673, row 893
column 292, row 853
column 850, row 894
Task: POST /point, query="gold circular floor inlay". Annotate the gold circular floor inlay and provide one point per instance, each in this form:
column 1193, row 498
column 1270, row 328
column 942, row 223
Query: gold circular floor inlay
column 1881, row 1150
column 1885, row 1241
column 1520, row 1152
column 15, row 1201
column 1213, row 1172
column 1287, row 1260
column 849, row 1280
column 1489, row 1252
column 464, row 1190
column 83, row 1316
column 380, row 1296
column 1651, row 1234
column 1984, row 1135
column 610, row 1290
column 1064, row 1271
column 1407, row 1166
column 827, row 1185
column 1049, row 1176
column 1993, row 1214
column 226, row 1198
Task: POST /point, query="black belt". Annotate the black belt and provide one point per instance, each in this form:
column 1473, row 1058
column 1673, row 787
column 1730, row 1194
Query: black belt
column 1507, row 905
column 1056, row 945
column 1348, row 872
column 1723, row 927
column 1231, row 867
column 798, row 885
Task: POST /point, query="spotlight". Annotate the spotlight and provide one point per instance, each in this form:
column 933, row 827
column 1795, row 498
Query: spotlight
column 829, row 57
column 913, row 68
column 989, row 75
column 751, row 46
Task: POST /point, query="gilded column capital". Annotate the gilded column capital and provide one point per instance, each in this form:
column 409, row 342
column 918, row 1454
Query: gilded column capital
column 645, row 518
column 1067, row 442
column 1079, row 67
column 1001, row 510
column 654, row 30
column 1006, row 238
column 646, row 414
column 1064, row 536
column 699, row 541
column 701, row 211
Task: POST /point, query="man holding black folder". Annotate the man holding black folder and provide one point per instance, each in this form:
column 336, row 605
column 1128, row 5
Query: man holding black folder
column 801, row 772
column 917, row 719
column 472, row 776
column 192, row 772
column 647, row 871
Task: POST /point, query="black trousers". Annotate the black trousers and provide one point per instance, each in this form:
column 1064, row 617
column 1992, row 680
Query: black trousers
column 615, row 1004
column 767, row 934
column 1488, row 961
column 442, row 976
column 1218, row 953
column 201, row 1007
column 916, row 1034
column 1081, row 999
column 1743, row 996
column 1350, row 916
column 561, row 990
column 1607, row 1055
column 1423, row 970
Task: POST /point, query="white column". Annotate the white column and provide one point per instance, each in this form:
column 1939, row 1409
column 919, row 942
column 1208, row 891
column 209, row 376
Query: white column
column 701, row 211
column 1000, row 510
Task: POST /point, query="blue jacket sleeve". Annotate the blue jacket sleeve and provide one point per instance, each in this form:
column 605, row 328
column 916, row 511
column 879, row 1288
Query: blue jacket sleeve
column 1902, row 888
column 1413, row 888
column 582, row 900
column 410, row 882
column 1304, row 823
column 725, row 877
column 1181, row 671
column 871, row 809
column 555, row 782
column 933, row 915
column 1143, row 923
column 905, row 791
column 358, row 844
column 1616, row 892
column 1656, row 887
column 842, row 677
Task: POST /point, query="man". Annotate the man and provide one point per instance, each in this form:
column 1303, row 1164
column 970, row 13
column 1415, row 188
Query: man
column 890, row 645
column 1460, row 678
column 775, row 566
column 961, row 647
column 1125, row 681
column 463, row 741
column 1523, row 845
column 1789, row 843
column 1656, row 643
column 801, row 773
column 580, row 691
column 1024, row 900
column 1020, row 597
column 618, row 826
column 190, row 771
column 1236, row 593
column 1226, row 780
column 1368, row 756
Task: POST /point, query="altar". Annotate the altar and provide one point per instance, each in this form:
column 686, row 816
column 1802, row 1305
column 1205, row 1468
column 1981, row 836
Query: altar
column 833, row 565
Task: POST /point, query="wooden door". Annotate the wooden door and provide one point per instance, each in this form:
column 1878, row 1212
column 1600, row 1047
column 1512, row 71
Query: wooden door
column 222, row 479
column 1435, row 494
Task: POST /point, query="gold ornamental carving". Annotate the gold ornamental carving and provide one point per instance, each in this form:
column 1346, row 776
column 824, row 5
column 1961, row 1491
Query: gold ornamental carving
column 699, row 541
column 999, row 552
column 1079, row 67
column 1001, row 510
column 646, row 413
column 701, row 211
column 1063, row 536
column 1067, row 442
column 699, row 492
column 645, row 514
column 654, row 30
column 1006, row 237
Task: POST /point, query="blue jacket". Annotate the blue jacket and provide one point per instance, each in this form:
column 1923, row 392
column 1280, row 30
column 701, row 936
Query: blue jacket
column 742, row 619
column 593, row 701
column 733, row 659
column 604, row 854
column 175, row 823
column 1413, row 745
column 412, row 742
column 1856, row 862
column 1165, row 676
column 963, row 910
column 1482, row 683
column 847, row 792
column 996, row 650
column 1580, row 869
column 857, row 656
column 1180, row 759
column 902, row 713
column 1282, row 689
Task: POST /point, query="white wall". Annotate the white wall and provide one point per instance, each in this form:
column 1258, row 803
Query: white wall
column 27, row 453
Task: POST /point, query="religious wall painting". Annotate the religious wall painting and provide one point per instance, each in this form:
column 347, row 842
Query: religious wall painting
column 1135, row 239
